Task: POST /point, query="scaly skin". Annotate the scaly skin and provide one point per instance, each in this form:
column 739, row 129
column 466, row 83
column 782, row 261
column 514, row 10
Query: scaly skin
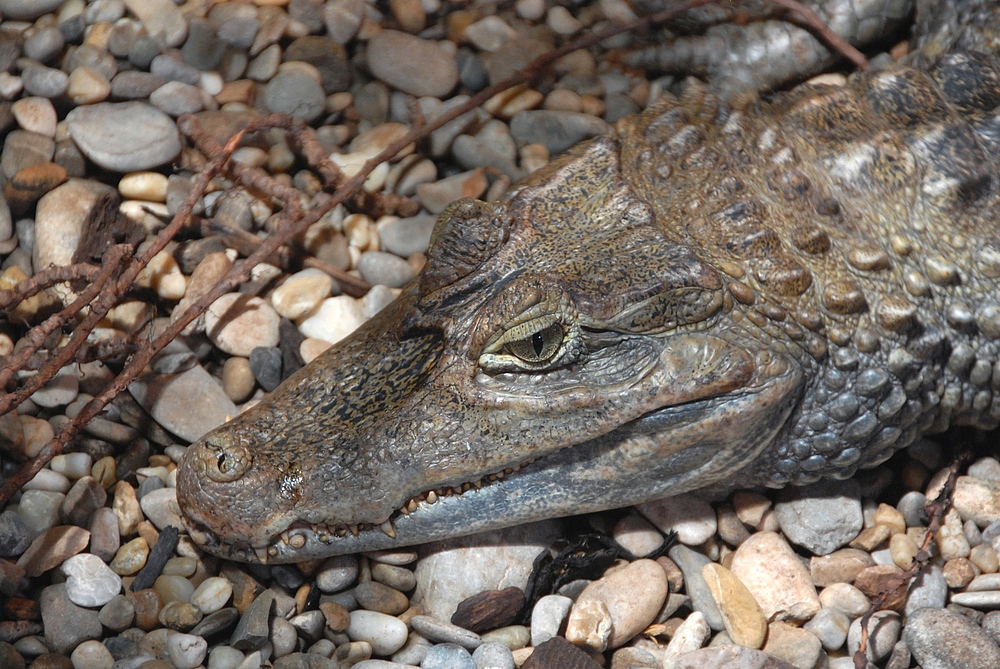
column 756, row 294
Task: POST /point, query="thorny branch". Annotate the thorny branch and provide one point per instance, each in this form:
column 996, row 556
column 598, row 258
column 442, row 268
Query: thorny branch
column 937, row 509
column 344, row 190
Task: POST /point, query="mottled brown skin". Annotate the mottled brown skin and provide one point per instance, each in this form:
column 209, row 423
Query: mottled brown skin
column 726, row 295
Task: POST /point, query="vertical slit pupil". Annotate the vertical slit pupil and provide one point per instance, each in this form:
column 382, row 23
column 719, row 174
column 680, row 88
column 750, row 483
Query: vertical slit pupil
column 538, row 342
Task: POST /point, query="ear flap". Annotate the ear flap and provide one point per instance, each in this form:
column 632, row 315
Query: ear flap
column 467, row 234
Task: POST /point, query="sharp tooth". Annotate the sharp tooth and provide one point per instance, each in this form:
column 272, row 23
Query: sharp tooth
column 411, row 506
column 262, row 553
column 478, row 484
column 432, row 497
column 353, row 529
column 389, row 530
column 466, row 487
column 403, row 510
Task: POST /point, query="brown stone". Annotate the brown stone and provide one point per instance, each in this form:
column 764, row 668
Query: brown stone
column 51, row 549
column 875, row 579
column 245, row 588
column 147, row 604
column 557, row 652
column 20, row 608
column 337, row 617
column 489, row 610
column 959, row 572
column 839, row 566
column 30, row 183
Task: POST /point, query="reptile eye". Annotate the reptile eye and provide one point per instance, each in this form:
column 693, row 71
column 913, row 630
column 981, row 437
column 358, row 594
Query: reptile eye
column 539, row 346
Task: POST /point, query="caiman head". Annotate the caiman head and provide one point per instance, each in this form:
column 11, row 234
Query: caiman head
column 558, row 354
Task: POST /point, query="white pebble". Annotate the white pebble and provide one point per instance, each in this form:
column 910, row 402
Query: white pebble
column 385, row 633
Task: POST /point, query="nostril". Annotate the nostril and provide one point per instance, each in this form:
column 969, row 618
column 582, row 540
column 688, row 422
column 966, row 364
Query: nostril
column 232, row 459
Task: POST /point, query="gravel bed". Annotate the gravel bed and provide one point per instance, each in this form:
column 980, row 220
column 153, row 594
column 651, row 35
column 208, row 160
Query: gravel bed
column 94, row 573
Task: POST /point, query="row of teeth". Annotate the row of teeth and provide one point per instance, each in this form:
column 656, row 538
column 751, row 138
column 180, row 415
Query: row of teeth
column 325, row 534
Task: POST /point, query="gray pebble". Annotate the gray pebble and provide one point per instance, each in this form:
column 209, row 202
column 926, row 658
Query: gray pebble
column 239, row 32
column 213, row 623
column 448, row 656
column 991, row 624
column 173, row 69
column 28, row 9
column 556, row 130
column 44, row 45
column 691, row 563
column 104, row 10
column 304, row 661
column 928, row 589
column 821, row 517
column 406, row 236
column 441, row 632
column 400, row 578
column 378, row 267
column 472, row 152
column 883, row 633
column 493, row 656
column 133, row 85
column 265, row 363
column 22, row 148
column 166, row 398
column 117, row 615
column 66, row 624
column 337, row 573
column 415, row 66
column 252, row 630
column 96, row 59
column 413, row 651
column 124, row 137
column 14, row 535
column 296, row 94
column 548, row 616
column 143, row 52
column 203, row 49
column 176, row 98
column 911, row 505
column 942, row 639
column 830, row 626
column 327, row 56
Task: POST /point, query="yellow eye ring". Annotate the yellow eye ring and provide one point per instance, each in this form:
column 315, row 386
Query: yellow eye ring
column 539, row 346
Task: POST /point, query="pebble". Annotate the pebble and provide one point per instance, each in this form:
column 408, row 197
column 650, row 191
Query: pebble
column 212, row 594
column 301, row 293
column 125, row 136
column 39, row 510
column 92, row 655
column 821, row 517
column 557, row 131
column 186, row 650
column 493, row 656
column 252, row 629
column 385, row 633
column 792, row 644
column 883, row 633
column 160, row 18
column 89, row 581
column 770, row 569
column 406, row 236
column 689, row 516
column 238, row 324
column 548, row 616
column 690, row 636
column 741, row 614
column 448, row 656
column 14, row 535
column 51, row 549
column 296, row 94
column 390, row 270
column 35, row 115
column 66, row 624
column 928, row 589
column 27, row 9
column 60, row 219
column 830, row 626
column 166, row 397
column 413, row 65
column 841, row 566
column 692, row 564
column 117, row 615
column 334, row 319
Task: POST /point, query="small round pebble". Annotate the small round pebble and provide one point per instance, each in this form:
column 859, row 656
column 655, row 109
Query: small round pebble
column 238, row 324
column 89, row 581
column 386, row 634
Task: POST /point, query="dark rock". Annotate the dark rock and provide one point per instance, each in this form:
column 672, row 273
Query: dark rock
column 557, row 652
column 489, row 610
